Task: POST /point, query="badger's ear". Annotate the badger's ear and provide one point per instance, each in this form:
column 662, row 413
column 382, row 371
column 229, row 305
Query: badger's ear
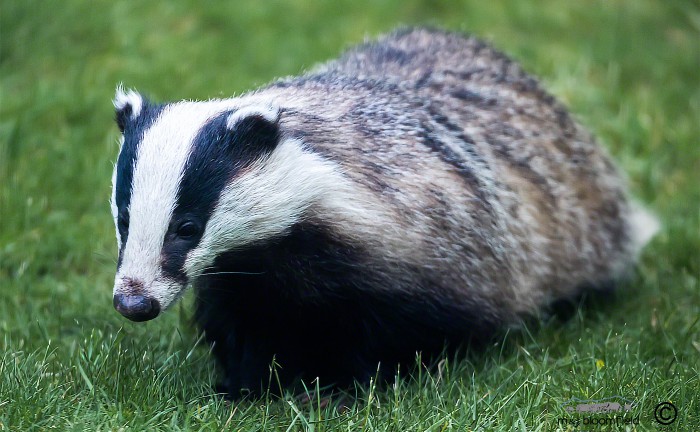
column 255, row 127
column 128, row 105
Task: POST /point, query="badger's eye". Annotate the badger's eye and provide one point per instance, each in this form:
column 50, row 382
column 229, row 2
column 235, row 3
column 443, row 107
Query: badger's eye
column 187, row 230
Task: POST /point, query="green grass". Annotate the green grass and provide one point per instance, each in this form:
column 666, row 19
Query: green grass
column 629, row 69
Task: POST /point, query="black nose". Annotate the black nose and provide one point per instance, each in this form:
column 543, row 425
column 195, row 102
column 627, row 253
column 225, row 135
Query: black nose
column 136, row 307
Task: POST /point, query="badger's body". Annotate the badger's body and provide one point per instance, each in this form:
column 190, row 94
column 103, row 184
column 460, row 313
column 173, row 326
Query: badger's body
column 421, row 189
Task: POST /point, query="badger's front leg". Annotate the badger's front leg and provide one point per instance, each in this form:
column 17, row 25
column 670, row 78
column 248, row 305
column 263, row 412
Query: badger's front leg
column 228, row 355
column 253, row 368
column 246, row 365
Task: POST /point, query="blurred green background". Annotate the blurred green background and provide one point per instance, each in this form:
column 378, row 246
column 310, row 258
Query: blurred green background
column 629, row 69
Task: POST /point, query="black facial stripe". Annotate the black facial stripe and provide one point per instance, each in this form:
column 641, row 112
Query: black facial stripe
column 218, row 154
column 133, row 131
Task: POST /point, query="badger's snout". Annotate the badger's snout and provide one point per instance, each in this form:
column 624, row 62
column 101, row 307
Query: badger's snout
column 136, row 307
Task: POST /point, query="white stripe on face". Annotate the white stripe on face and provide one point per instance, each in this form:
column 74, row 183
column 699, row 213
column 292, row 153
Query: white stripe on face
column 161, row 158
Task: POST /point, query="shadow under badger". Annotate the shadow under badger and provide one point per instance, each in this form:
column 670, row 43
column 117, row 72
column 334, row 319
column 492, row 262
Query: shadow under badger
column 421, row 189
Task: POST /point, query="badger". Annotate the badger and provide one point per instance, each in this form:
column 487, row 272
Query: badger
column 420, row 192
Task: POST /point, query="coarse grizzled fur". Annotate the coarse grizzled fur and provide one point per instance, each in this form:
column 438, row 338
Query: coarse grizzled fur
column 438, row 194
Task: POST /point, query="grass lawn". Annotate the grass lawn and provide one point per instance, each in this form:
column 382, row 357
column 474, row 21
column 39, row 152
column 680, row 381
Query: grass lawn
column 629, row 69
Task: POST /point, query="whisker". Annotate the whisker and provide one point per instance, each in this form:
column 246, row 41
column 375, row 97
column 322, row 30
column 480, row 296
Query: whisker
column 233, row 272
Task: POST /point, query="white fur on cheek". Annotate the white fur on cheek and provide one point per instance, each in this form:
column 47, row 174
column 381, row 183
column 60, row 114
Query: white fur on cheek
column 263, row 202
column 267, row 200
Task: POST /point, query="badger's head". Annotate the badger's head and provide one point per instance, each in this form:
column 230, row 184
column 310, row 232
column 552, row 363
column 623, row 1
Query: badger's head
column 197, row 179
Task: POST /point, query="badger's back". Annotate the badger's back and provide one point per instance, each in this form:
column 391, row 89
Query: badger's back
column 466, row 155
